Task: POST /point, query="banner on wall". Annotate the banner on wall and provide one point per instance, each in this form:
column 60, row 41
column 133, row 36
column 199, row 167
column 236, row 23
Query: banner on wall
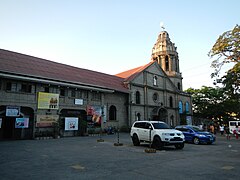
column 180, row 106
column 12, row 111
column 48, row 100
column 94, row 114
column 189, row 120
column 71, row 123
column 21, row 122
column 46, row 120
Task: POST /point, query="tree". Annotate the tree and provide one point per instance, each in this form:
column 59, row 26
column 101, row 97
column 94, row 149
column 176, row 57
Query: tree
column 207, row 102
column 231, row 81
column 226, row 49
column 214, row 103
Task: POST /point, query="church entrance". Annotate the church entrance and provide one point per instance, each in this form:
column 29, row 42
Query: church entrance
column 160, row 114
column 16, row 122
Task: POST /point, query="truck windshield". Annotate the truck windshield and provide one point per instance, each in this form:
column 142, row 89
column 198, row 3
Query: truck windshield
column 160, row 126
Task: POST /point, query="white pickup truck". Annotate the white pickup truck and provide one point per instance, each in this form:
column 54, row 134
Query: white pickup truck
column 157, row 133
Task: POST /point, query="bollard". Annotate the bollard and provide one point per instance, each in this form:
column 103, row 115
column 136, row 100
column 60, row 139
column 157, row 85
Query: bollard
column 150, row 149
column 100, row 134
column 118, row 143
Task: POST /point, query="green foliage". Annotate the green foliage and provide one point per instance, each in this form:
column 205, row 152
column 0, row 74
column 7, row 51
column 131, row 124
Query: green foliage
column 226, row 48
column 214, row 103
column 231, row 81
column 204, row 101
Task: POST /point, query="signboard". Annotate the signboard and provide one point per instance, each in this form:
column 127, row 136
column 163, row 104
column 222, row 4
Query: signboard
column 46, row 120
column 21, row 122
column 187, row 108
column 189, row 120
column 180, row 106
column 12, row 111
column 78, row 101
column 71, row 123
column 48, row 100
column 96, row 113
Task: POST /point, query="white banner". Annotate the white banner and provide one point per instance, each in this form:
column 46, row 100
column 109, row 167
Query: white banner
column 71, row 123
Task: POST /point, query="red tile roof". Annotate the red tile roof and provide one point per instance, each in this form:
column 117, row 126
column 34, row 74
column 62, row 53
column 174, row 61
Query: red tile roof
column 132, row 73
column 25, row 65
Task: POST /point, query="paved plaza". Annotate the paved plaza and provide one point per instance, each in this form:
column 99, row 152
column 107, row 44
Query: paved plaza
column 85, row 158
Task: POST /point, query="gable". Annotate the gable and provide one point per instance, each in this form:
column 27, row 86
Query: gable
column 145, row 75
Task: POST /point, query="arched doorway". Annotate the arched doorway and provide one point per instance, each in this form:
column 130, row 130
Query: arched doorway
column 159, row 114
column 82, row 122
column 16, row 126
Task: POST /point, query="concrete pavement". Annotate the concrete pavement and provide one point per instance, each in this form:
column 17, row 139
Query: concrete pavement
column 85, row 158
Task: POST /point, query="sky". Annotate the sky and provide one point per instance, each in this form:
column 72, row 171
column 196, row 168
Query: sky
column 112, row 36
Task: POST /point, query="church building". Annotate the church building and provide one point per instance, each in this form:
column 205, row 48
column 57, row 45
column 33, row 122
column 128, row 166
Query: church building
column 156, row 91
column 42, row 98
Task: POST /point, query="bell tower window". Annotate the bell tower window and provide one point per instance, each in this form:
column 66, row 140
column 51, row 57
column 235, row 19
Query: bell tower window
column 179, row 86
column 166, row 63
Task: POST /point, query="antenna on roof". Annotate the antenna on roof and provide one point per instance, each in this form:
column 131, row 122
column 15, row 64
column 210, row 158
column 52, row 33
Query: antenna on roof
column 162, row 26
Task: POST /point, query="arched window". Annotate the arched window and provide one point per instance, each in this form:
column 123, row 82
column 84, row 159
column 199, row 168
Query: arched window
column 112, row 113
column 166, row 63
column 137, row 97
column 155, row 97
column 154, row 80
column 187, row 107
column 171, row 101
column 180, row 106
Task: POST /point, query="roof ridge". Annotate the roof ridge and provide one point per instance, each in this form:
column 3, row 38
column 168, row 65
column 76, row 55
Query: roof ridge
column 22, row 64
column 54, row 62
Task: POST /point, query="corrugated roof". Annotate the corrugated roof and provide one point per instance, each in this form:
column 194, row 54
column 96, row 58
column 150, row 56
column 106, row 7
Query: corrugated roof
column 21, row 64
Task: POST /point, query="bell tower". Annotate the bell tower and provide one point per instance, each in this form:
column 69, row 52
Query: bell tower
column 165, row 53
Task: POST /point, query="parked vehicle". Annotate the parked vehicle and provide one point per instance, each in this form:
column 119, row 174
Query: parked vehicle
column 194, row 134
column 157, row 133
column 232, row 126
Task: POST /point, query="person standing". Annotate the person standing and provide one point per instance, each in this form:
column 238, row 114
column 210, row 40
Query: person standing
column 227, row 131
column 212, row 128
column 221, row 128
column 235, row 132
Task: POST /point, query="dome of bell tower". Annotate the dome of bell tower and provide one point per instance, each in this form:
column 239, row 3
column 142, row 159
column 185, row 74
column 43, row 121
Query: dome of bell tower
column 165, row 53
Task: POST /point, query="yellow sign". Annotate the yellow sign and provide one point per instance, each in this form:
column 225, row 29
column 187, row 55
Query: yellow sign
column 48, row 100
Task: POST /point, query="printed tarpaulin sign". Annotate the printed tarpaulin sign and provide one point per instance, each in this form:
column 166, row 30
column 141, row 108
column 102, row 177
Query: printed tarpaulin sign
column 189, row 120
column 96, row 113
column 46, row 120
column 21, row 122
column 12, row 111
column 180, row 106
column 48, row 100
column 71, row 123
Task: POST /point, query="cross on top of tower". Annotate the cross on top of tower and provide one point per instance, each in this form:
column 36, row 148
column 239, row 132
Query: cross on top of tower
column 162, row 26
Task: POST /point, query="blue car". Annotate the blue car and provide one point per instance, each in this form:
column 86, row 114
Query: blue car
column 195, row 135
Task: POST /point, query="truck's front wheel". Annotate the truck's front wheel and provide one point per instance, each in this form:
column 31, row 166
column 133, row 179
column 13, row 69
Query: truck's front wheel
column 157, row 143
